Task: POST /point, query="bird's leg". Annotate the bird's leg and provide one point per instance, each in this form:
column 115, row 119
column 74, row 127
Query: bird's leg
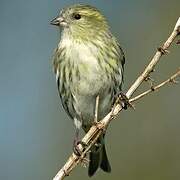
column 76, row 150
column 96, row 110
column 77, row 141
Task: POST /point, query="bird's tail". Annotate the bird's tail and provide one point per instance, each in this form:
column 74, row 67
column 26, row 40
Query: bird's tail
column 98, row 158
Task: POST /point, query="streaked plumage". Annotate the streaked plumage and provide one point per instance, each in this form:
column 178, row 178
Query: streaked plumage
column 88, row 62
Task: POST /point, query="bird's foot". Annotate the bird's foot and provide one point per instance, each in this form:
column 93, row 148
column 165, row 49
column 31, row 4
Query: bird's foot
column 124, row 101
column 84, row 162
column 77, row 151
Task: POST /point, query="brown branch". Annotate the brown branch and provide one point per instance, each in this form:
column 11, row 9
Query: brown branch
column 155, row 88
column 96, row 130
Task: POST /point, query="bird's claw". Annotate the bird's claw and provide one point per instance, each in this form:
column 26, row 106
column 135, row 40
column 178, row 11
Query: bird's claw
column 76, row 148
column 123, row 99
column 85, row 162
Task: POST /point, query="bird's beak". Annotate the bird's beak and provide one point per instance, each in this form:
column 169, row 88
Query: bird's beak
column 57, row 21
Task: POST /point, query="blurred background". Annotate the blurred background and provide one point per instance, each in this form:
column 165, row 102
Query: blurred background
column 35, row 133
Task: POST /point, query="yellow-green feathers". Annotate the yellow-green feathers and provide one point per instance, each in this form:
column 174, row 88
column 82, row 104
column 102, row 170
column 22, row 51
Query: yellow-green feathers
column 88, row 62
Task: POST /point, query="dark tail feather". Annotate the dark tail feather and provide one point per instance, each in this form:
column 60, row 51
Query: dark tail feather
column 98, row 158
column 94, row 158
column 105, row 165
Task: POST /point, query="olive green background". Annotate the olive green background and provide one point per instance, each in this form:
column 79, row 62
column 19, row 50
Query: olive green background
column 35, row 133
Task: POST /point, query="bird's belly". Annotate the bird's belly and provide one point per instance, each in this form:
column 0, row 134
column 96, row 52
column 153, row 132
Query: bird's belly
column 92, row 84
column 86, row 106
column 87, row 91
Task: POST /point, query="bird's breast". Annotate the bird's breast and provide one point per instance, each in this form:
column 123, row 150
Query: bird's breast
column 84, row 61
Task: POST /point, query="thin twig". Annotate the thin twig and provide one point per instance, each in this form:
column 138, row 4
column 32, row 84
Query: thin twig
column 96, row 130
column 155, row 88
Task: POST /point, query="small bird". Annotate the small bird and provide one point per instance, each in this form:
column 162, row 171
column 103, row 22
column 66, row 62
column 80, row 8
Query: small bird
column 89, row 66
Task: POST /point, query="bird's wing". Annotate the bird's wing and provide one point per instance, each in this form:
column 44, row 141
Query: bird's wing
column 122, row 60
column 63, row 94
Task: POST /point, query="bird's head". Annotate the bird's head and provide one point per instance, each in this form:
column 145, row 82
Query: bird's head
column 81, row 20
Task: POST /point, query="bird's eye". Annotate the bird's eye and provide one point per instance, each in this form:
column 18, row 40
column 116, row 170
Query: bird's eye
column 77, row 16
